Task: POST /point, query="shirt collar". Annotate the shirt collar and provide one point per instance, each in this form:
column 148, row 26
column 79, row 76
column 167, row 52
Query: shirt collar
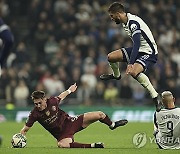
column 170, row 108
column 128, row 16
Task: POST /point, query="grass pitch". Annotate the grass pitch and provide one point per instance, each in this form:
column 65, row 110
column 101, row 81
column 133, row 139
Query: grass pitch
column 39, row 141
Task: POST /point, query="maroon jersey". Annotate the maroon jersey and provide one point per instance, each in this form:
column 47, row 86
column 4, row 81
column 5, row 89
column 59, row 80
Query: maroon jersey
column 52, row 118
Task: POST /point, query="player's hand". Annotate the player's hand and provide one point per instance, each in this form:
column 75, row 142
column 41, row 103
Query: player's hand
column 73, row 87
column 129, row 69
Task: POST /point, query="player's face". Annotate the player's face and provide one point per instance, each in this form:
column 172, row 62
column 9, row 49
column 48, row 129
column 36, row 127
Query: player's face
column 40, row 103
column 116, row 17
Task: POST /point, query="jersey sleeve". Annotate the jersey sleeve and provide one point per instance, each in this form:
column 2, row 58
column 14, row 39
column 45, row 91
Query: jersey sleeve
column 30, row 120
column 58, row 99
column 134, row 27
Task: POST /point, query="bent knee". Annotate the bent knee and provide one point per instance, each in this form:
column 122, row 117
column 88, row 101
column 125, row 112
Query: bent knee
column 115, row 56
column 101, row 114
column 110, row 57
column 63, row 145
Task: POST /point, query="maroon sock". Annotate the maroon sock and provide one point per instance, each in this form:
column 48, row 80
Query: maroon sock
column 79, row 145
column 106, row 121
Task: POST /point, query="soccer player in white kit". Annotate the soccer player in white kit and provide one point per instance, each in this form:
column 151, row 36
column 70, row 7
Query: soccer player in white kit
column 140, row 56
column 167, row 123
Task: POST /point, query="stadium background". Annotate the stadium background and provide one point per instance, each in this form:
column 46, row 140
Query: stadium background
column 59, row 42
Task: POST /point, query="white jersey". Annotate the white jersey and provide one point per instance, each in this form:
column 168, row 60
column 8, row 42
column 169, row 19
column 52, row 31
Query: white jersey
column 136, row 25
column 167, row 122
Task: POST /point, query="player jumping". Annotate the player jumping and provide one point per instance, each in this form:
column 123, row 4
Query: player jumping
column 60, row 124
column 140, row 56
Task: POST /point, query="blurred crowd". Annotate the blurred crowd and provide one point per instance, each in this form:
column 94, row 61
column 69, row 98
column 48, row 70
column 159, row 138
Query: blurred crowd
column 60, row 42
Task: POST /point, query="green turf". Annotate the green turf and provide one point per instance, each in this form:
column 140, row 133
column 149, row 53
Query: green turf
column 117, row 141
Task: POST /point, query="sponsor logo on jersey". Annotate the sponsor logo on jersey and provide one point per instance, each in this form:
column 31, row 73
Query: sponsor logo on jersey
column 133, row 27
column 54, row 108
column 47, row 113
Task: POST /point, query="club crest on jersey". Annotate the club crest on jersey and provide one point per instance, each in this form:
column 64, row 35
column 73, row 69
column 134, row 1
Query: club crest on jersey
column 47, row 113
column 54, row 108
column 133, row 27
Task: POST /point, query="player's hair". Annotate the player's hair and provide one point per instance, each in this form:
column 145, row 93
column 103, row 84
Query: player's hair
column 166, row 94
column 116, row 7
column 167, row 98
column 37, row 95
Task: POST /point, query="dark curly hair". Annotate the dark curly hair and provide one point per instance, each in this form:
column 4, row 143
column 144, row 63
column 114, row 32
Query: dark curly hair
column 116, row 7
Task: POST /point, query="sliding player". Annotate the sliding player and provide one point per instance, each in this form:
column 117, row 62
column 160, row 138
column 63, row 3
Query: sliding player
column 60, row 124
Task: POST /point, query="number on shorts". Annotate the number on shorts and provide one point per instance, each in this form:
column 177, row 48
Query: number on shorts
column 145, row 57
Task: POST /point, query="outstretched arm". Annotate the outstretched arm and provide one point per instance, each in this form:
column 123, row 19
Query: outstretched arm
column 71, row 89
column 24, row 130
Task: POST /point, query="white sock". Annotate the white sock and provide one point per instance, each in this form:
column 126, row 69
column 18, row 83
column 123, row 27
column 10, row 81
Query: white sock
column 112, row 125
column 144, row 81
column 92, row 145
column 115, row 69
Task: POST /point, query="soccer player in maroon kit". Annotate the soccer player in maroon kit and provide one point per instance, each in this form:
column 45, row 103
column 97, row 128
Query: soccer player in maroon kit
column 60, row 124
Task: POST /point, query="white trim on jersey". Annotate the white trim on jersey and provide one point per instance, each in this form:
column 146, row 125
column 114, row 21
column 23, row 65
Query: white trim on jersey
column 126, row 54
column 137, row 31
column 140, row 61
column 147, row 44
column 3, row 27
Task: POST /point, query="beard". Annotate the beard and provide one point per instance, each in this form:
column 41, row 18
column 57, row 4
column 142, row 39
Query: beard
column 117, row 21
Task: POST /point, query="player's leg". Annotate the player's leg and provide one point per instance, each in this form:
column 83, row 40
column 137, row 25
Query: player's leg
column 120, row 55
column 72, row 126
column 113, row 58
column 141, row 64
column 92, row 117
column 69, row 143
column 143, row 79
column 65, row 143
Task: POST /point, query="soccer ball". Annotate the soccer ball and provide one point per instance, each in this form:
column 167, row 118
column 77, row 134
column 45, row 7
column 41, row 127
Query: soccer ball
column 18, row 141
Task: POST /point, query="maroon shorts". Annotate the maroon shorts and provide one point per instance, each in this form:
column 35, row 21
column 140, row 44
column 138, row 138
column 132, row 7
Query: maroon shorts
column 71, row 126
